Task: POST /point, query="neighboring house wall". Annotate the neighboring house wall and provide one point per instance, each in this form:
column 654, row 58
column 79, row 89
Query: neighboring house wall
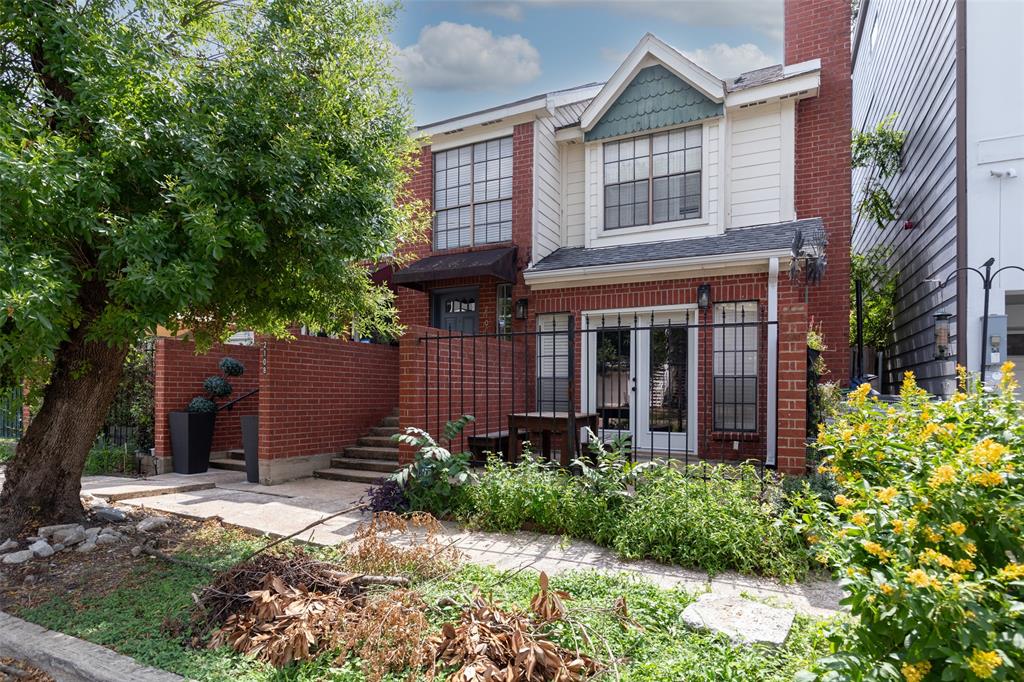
column 547, row 189
column 906, row 64
column 821, row 29
column 994, row 142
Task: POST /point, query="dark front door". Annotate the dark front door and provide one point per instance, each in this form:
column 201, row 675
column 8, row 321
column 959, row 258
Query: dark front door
column 456, row 310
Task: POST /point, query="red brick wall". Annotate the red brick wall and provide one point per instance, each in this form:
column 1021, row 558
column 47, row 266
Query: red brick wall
column 821, row 29
column 445, row 378
column 178, row 378
column 319, row 395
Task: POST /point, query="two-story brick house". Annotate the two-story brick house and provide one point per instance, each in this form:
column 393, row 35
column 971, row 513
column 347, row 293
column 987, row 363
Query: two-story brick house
column 666, row 195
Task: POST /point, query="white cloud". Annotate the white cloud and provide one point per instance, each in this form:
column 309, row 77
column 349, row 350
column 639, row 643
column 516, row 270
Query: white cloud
column 765, row 16
column 451, row 56
column 727, row 61
column 511, row 11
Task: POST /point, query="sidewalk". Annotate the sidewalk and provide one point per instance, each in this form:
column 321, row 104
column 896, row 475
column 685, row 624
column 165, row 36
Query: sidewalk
column 284, row 509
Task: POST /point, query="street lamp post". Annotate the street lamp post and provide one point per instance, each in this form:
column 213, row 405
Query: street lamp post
column 987, row 278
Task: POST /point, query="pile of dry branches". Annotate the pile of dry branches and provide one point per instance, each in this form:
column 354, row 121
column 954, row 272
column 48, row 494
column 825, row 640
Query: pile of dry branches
column 412, row 546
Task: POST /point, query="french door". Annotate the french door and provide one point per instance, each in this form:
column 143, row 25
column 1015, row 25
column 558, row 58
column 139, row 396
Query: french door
column 640, row 377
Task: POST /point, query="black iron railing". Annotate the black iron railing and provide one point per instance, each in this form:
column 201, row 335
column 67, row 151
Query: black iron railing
column 10, row 414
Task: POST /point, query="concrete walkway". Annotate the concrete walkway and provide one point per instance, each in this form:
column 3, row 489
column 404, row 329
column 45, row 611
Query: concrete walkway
column 284, row 509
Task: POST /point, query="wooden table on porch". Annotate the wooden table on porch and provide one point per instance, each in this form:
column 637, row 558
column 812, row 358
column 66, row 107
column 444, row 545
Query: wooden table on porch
column 548, row 423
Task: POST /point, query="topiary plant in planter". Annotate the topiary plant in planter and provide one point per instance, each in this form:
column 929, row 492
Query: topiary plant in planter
column 192, row 430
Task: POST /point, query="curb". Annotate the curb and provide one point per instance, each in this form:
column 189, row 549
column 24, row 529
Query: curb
column 69, row 659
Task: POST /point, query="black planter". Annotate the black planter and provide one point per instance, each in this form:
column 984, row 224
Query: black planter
column 250, row 444
column 191, row 438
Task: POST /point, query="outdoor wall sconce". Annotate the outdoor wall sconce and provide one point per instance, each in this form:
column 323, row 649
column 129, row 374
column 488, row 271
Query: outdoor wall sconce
column 704, row 296
column 521, row 309
column 942, row 335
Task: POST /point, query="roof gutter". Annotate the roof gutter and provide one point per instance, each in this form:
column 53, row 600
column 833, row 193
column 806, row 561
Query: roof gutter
column 670, row 268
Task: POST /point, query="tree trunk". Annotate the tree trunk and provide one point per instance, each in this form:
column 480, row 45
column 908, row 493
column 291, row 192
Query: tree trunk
column 44, row 477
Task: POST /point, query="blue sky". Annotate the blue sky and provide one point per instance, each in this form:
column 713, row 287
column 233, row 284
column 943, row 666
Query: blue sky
column 458, row 57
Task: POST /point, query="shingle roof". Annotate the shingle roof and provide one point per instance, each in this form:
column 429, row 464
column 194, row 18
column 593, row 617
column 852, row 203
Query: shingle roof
column 756, row 77
column 771, row 237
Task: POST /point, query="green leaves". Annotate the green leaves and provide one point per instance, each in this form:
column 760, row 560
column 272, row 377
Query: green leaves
column 210, row 163
column 879, row 151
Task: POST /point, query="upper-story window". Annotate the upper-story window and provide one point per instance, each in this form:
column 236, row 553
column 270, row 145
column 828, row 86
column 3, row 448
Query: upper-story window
column 473, row 194
column 652, row 178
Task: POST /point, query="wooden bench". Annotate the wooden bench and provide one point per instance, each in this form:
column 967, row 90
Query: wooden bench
column 495, row 441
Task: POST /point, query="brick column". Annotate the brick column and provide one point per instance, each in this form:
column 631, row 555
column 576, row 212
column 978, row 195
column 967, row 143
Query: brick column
column 792, row 380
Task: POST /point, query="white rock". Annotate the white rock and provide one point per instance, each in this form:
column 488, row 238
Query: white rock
column 86, row 547
column 152, row 523
column 111, row 515
column 91, row 533
column 107, row 540
column 41, row 549
column 8, row 545
column 109, row 530
column 58, row 547
column 18, row 557
column 47, row 531
column 741, row 620
column 69, row 536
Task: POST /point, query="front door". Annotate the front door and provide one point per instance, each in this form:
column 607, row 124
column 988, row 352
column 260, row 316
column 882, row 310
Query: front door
column 639, row 377
column 455, row 310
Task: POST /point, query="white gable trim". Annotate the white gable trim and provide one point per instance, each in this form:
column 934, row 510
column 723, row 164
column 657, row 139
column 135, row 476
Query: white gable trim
column 651, row 47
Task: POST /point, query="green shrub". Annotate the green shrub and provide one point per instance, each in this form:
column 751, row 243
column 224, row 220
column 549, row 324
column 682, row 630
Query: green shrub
column 507, row 497
column 436, row 479
column 108, row 459
column 928, row 535
column 7, row 450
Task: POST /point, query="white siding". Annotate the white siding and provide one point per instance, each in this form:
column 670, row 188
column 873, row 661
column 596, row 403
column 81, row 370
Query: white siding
column 712, row 137
column 547, row 189
column 755, row 158
column 574, row 196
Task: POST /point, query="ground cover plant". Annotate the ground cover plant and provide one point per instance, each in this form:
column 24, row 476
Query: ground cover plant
column 928, row 534
column 629, row 628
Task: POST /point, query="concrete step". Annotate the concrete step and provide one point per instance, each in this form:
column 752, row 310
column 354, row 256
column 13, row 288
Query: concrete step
column 362, row 452
column 352, row 475
column 378, row 442
column 389, row 421
column 237, row 453
column 383, row 465
column 229, row 464
column 383, row 430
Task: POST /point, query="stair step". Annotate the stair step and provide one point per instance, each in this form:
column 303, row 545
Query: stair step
column 363, row 452
column 389, row 421
column 378, row 442
column 237, row 453
column 383, row 430
column 229, row 464
column 383, row 465
column 352, row 475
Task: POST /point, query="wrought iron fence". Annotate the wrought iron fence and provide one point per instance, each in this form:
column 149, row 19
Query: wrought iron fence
column 130, row 419
column 692, row 386
column 10, row 414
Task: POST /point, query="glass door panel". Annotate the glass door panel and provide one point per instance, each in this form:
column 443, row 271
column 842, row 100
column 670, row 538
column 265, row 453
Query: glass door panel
column 613, row 386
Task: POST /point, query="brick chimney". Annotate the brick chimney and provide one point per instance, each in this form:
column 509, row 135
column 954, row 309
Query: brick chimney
column 820, row 29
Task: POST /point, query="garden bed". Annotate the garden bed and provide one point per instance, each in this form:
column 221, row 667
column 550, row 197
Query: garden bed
column 143, row 607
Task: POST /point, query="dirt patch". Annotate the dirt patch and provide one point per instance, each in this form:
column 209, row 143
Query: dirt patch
column 74, row 576
column 12, row 669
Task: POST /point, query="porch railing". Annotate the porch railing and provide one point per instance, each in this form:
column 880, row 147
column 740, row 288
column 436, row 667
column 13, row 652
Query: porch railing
column 683, row 386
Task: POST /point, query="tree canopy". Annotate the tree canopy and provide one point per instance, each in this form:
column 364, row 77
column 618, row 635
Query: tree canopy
column 195, row 163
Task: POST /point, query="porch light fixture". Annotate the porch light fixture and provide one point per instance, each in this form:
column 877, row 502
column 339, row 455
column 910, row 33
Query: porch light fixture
column 521, row 305
column 942, row 334
column 704, row 296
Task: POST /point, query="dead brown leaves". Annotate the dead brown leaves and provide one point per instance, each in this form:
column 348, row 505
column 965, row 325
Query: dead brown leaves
column 412, row 546
column 492, row 645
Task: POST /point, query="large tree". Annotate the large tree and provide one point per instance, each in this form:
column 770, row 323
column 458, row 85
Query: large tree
column 199, row 164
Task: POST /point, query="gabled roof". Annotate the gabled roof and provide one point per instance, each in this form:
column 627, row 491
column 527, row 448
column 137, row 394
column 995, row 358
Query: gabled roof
column 649, row 51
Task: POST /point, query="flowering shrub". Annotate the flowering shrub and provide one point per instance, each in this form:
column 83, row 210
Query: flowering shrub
column 928, row 534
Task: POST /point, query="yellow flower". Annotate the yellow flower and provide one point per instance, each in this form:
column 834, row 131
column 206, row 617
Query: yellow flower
column 944, row 474
column 858, row 396
column 813, row 539
column 957, row 528
column 915, row 672
column 963, row 565
column 988, row 478
column 860, row 519
column 930, row 556
column 984, row 663
column 876, row 549
column 886, row 588
column 897, row 525
column 958, row 397
column 843, row 500
column 887, row 495
column 955, row 578
column 919, row 578
column 929, row 430
column 931, row 535
column 846, row 435
column 988, row 452
column 971, row 549
column 1011, row 571
column 1007, row 380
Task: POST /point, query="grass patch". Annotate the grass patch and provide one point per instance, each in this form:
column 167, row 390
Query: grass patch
column 143, row 616
column 7, row 446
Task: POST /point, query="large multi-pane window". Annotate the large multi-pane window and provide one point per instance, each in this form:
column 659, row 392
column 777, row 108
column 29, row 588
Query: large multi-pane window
column 652, row 178
column 473, row 194
column 735, row 366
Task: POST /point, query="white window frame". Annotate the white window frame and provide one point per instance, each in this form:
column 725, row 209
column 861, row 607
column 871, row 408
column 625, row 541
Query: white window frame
column 473, row 202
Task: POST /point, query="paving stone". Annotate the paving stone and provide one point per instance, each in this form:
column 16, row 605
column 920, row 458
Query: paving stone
column 8, row 545
column 18, row 557
column 111, row 515
column 70, row 659
column 741, row 620
column 152, row 523
column 41, row 549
